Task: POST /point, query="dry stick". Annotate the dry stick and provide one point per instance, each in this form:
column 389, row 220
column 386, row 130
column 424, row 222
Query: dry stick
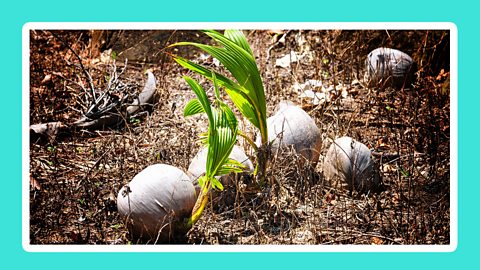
column 94, row 165
column 276, row 43
column 90, row 80
column 165, row 45
column 87, row 97
column 113, row 80
column 359, row 233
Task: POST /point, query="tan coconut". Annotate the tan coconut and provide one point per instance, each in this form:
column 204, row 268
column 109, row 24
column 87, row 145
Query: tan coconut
column 156, row 203
column 390, row 67
column 197, row 167
column 292, row 127
column 350, row 162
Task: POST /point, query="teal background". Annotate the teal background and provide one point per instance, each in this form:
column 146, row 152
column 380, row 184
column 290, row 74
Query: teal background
column 15, row 14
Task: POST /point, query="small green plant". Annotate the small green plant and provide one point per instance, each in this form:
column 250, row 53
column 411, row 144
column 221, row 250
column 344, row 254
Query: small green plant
column 220, row 139
column 116, row 226
column 52, row 149
column 246, row 91
column 405, row 173
column 134, row 121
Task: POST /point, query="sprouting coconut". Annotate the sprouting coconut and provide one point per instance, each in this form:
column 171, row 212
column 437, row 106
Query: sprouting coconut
column 350, row 161
column 390, row 67
column 156, row 203
column 197, row 166
column 291, row 126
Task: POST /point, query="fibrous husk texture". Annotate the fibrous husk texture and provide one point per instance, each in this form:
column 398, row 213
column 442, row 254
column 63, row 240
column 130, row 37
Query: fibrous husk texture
column 156, row 203
column 350, row 162
column 197, row 167
column 292, row 127
column 390, row 67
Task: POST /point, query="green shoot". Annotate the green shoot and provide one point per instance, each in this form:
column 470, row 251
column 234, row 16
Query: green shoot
column 220, row 139
column 246, row 92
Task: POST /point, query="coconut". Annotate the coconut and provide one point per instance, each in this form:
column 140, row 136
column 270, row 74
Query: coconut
column 156, row 202
column 291, row 127
column 390, row 67
column 198, row 164
column 350, row 161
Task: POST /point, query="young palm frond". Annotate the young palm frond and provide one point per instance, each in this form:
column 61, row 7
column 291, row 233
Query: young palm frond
column 221, row 137
column 246, row 92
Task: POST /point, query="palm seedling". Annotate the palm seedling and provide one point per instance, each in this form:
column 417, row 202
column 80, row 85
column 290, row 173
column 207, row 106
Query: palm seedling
column 246, row 91
column 220, row 139
column 157, row 202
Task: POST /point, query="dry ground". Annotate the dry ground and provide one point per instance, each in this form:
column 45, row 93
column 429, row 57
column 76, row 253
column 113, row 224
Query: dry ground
column 75, row 176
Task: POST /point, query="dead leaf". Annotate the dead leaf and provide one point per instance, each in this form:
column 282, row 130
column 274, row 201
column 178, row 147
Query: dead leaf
column 382, row 145
column 344, row 92
column 275, row 32
column 35, row 184
column 316, row 98
column 388, row 168
column 442, row 75
column 46, row 79
column 376, row 241
column 286, row 60
column 398, row 239
column 396, row 198
column 330, row 199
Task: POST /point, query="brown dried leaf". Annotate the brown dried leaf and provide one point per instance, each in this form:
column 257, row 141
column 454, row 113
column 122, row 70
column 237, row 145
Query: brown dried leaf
column 46, row 79
column 35, row 184
column 275, row 32
column 389, row 168
column 376, row 241
column 382, row 144
column 330, row 199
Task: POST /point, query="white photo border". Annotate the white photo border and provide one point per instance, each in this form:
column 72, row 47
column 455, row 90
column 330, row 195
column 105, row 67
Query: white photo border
column 451, row 247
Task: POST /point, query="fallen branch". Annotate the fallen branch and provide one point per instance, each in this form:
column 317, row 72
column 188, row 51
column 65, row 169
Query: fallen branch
column 108, row 113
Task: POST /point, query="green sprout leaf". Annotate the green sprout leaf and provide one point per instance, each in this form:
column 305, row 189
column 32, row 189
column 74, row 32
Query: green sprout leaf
column 220, row 139
column 134, row 121
column 247, row 92
column 193, row 107
column 404, row 172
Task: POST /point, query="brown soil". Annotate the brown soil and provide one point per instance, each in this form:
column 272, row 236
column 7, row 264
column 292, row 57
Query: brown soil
column 75, row 176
